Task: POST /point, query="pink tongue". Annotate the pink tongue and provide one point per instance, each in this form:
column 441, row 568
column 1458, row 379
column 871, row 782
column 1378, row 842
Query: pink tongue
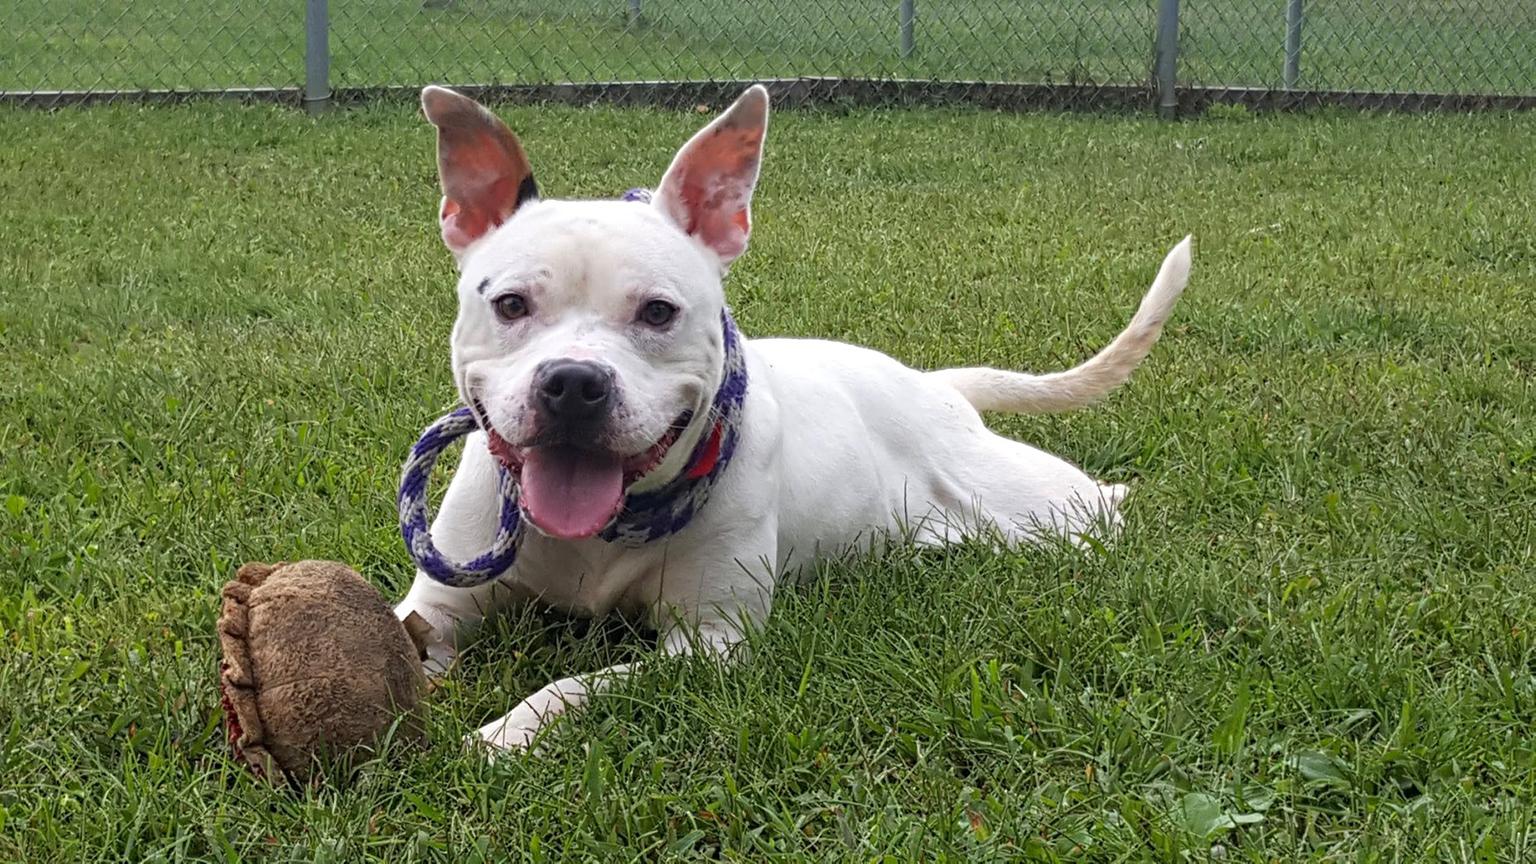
column 571, row 494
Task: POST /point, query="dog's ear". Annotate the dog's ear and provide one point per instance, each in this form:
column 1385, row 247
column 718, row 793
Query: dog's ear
column 484, row 172
column 708, row 189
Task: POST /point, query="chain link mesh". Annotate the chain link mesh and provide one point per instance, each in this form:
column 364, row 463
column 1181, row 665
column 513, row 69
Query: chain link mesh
column 1465, row 47
column 1089, row 52
column 528, row 41
column 105, row 46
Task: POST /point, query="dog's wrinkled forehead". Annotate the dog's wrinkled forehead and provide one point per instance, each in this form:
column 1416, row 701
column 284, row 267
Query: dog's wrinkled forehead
column 590, row 247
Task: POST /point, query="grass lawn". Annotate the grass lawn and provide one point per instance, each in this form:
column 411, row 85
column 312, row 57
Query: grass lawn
column 1461, row 46
column 222, row 326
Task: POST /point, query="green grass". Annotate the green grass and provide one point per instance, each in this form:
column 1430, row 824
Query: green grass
column 222, row 326
column 1462, row 46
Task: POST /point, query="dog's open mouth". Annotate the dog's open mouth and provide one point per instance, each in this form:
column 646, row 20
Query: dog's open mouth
column 571, row 492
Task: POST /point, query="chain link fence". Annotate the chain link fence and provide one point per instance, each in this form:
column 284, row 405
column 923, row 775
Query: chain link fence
column 1076, row 53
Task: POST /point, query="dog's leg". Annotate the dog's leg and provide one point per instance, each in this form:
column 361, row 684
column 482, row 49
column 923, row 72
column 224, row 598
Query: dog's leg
column 464, row 527
column 706, row 598
column 516, row 730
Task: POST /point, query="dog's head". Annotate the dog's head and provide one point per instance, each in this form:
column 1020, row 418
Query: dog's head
column 589, row 339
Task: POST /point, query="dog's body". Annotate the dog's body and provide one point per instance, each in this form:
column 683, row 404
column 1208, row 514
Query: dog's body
column 838, row 445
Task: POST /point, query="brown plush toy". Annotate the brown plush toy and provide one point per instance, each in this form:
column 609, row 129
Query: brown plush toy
column 315, row 663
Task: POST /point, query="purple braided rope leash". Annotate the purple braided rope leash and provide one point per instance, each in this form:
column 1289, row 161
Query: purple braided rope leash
column 415, row 519
column 645, row 517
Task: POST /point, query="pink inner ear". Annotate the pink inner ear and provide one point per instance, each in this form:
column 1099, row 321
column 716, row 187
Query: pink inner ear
column 708, row 190
column 484, row 172
column 726, row 233
column 459, row 230
column 462, row 225
column 720, row 216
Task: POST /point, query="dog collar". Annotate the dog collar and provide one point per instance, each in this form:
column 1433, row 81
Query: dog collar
column 645, row 518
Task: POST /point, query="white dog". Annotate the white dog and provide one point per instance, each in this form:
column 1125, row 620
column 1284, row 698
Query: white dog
column 665, row 467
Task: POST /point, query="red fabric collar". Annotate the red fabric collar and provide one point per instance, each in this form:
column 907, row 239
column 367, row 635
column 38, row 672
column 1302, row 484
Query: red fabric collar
column 707, row 457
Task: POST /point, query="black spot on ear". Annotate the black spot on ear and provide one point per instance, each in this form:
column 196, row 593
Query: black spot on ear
column 527, row 190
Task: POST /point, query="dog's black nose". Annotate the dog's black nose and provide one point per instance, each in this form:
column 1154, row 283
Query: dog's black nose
column 573, row 391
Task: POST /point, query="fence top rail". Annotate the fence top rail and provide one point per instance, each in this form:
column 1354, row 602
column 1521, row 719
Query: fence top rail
column 811, row 92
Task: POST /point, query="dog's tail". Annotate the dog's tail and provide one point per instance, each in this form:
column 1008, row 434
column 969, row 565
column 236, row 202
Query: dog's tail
column 1022, row 393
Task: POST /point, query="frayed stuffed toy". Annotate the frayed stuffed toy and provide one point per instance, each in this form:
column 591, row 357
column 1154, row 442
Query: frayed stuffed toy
column 315, row 665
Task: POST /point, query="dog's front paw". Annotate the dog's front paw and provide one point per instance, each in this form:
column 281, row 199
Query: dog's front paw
column 439, row 659
column 433, row 642
column 519, row 729
column 513, row 733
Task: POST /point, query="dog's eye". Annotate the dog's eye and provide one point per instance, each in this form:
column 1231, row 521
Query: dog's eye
column 510, row 307
column 657, row 313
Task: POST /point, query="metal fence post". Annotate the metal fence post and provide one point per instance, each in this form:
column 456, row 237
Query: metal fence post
column 634, row 12
column 317, row 56
column 1293, row 18
column 908, row 22
column 1167, row 58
